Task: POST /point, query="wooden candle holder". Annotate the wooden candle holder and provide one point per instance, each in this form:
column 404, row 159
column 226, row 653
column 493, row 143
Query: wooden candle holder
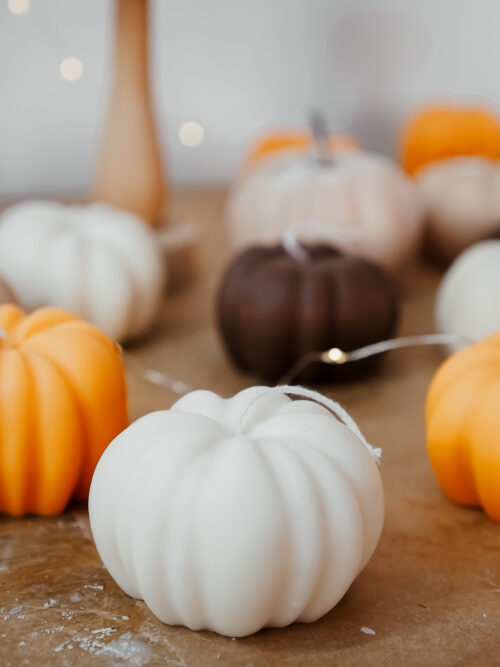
column 129, row 172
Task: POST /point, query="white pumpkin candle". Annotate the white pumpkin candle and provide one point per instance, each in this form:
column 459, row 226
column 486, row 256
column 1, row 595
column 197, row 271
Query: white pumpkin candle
column 468, row 299
column 354, row 190
column 462, row 201
column 98, row 262
column 235, row 514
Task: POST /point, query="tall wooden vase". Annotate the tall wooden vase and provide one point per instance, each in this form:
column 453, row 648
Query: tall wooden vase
column 129, row 171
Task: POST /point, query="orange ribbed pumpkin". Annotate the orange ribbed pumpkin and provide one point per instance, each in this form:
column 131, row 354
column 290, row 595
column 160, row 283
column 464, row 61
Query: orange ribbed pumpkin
column 463, row 426
column 443, row 132
column 301, row 142
column 62, row 401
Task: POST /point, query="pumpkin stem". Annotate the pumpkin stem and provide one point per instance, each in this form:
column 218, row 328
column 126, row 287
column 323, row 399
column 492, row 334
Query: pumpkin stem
column 319, row 128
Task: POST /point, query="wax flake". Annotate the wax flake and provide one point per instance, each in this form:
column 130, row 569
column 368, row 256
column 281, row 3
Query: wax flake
column 133, row 651
column 367, row 631
column 125, row 648
column 104, row 631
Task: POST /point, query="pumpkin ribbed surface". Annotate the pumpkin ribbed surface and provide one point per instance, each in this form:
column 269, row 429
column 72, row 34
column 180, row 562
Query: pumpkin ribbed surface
column 463, row 426
column 62, row 401
column 235, row 514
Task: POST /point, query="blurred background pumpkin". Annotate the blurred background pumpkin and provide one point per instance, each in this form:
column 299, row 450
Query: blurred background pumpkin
column 468, row 298
column 453, row 154
column 274, row 307
column 326, row 181
column 98, row 262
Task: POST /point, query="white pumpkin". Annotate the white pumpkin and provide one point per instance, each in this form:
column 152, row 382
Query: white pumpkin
column 100, row 263
column 356, row 190
column 462, row 201
column 468, row 298
column 231, row 515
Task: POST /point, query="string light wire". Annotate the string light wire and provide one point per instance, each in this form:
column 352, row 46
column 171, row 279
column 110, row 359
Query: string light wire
column 333, row 357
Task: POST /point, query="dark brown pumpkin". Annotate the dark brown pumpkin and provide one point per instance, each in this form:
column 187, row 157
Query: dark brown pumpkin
column 272, row 309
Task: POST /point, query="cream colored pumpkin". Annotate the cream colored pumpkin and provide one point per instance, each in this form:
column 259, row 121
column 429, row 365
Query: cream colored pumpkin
column 468, row 298
column 235, row 514
column 462, row 201
column 356, row 190
column 97, row 262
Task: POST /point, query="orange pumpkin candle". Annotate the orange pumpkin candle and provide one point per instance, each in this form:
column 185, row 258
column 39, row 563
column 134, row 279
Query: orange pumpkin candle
column 463, row 426
column 62, row 401
column 443, row 132
column 299, row 141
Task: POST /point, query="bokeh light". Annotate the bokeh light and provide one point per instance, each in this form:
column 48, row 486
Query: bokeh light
column 71, row 69
column 19, row 7
column 191, row 134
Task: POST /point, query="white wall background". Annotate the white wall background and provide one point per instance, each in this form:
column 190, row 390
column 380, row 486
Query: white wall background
column 234, row 66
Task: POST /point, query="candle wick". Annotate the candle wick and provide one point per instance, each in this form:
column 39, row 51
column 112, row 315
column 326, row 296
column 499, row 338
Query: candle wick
column 315, row 230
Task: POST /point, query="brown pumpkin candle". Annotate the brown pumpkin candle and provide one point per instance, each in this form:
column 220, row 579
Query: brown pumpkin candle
column 273, row 308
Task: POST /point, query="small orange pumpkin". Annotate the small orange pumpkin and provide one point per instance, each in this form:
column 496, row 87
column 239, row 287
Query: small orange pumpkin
column 442, row 132
column 463, row 426
column 62, row 401
column 299, row 141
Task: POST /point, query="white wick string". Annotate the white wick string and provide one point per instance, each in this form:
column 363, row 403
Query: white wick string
column 334, row 407
column 315, row 230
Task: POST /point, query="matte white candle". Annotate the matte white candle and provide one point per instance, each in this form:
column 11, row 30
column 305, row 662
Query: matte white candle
column 98, row 262
column 235, row 514
column 468, row 299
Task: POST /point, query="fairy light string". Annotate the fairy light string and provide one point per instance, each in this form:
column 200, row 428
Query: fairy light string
column 334, row 356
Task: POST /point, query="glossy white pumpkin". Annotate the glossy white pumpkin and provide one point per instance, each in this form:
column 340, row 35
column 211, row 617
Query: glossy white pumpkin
column 468, row 299
column 100, row 263
column 462, row 200
column 358, row 190
column 231, row 515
